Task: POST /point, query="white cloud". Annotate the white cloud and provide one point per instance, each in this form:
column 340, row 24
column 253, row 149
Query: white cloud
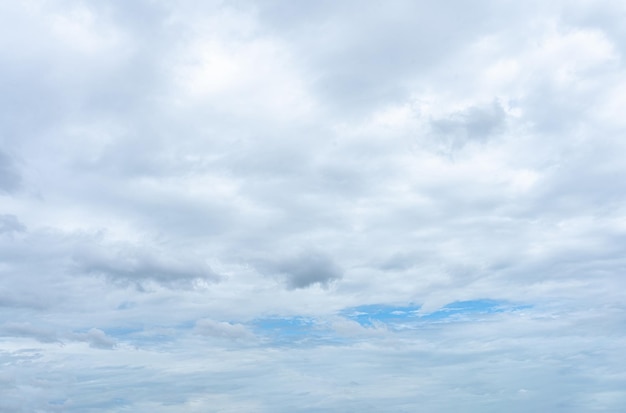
column 221, row 329
column 96, row 339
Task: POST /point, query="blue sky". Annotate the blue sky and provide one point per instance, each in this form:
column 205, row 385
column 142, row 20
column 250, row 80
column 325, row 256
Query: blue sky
column 277, row 206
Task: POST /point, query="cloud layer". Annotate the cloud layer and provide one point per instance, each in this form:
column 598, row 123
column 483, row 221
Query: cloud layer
column 321, row 207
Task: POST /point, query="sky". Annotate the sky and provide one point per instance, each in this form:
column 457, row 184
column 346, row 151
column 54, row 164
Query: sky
column 317, row 206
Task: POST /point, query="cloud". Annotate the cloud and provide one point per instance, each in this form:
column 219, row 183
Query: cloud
column 361, row 61
column 306, row 269
column 207, row 188
column 10, row 223
column 96, row 338
column 127, row 263
column 475, row 124
column 221, row 329
column 10, row 179
column 24, row 329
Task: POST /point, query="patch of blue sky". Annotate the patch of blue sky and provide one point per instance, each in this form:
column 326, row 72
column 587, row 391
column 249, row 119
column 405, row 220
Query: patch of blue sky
column 310, row 331
column 368, row 315
column 284, row 325
column 306, row 330
column 298, row 329
column 120, row 332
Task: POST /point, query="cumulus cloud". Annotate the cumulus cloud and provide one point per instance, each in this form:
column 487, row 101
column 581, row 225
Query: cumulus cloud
column 221, row 329
column 306, row 269
column 96, row 338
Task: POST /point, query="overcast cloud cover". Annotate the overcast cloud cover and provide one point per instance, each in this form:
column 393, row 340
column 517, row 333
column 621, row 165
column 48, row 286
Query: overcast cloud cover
column 312, row 206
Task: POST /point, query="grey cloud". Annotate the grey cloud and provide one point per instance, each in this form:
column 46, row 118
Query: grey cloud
column 9, row 223
column 16, row 329
column 221, row 329
column 96, row 338
column 399, row 262
column 305, row 270
column 475, row 124
column 137, row 265
column 585, row 176
column 554, row 111
column 10, row 179
column 23, row 299
column 364, row 55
